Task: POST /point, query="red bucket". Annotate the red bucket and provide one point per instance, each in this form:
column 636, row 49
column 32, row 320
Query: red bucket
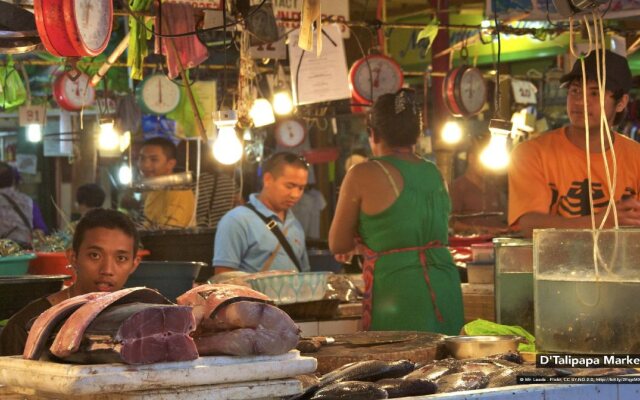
column 54, row 263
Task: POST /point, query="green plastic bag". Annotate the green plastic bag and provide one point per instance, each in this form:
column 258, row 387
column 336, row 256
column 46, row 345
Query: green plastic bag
column 12, row 89
column 484, row 327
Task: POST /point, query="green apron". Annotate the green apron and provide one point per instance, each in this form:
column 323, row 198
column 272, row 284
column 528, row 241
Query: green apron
column 411, row 282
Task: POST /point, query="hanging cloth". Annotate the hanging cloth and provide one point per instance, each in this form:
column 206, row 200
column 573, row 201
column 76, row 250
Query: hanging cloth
column 140, row 32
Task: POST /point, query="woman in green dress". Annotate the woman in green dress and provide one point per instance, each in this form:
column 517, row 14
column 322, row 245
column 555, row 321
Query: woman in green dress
column 395, row 209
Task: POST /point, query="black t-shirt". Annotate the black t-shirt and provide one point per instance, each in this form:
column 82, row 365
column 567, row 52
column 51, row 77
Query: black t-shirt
column 14, row 336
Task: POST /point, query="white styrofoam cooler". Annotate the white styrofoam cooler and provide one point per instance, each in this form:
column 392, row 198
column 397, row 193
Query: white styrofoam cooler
column 76, row 380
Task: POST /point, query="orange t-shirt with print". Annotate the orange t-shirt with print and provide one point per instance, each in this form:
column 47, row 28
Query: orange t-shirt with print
column 548, row 175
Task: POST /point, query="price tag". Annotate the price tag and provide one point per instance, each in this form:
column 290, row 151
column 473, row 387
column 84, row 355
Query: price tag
column 275, row 51
column 524, row 92
column 28, row 115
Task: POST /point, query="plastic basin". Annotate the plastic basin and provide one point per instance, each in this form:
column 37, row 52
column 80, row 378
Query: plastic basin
column 294, row 288
column 15, row 265
column 171, row 278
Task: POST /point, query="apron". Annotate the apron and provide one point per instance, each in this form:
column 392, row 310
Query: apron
column 370, row 258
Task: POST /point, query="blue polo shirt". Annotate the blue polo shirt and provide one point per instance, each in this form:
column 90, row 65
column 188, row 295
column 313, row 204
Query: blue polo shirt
column 243, row 241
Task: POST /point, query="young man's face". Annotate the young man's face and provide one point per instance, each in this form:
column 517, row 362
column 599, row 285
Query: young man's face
column 104, row 260
column 284, row 191
column 575, row 105
column 152, row 161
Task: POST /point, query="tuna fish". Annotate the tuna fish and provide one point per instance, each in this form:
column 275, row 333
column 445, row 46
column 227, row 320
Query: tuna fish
column 462, row 381
column 407, row 387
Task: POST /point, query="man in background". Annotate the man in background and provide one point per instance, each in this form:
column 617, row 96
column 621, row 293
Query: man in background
column 245, row 242
column 549, row 185
column 104, row 253
column 88, row 197
column 16, row 209
column 164, row 208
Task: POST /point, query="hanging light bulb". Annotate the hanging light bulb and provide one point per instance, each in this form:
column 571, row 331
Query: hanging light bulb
column 246, row 135
column 108, row 139
column 451, row 132
column 495, row 156
column 282, row 103
column 227, row 148
column 125, row 141
column 262, row 113
column 34, row 133
column 124, row 174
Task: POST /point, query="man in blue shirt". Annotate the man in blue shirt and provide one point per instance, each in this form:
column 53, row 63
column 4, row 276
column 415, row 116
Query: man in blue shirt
column 244, row 243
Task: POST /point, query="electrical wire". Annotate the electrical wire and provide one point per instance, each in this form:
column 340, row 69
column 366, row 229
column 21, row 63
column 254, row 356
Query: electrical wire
column 224, row 25
column 497, row 88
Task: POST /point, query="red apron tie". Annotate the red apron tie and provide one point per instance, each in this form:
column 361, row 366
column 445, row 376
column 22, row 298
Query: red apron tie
column 370, row 258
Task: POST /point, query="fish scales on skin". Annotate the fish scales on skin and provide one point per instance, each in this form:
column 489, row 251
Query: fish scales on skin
column 486, row 365
column 407, row 387
column 502, row 377
column 138, row 333
column 462, row 381
column 48, row 320
column 351, row 390
column 370, row 370
column 70, row 335
column 435, row 370
column 514, row 357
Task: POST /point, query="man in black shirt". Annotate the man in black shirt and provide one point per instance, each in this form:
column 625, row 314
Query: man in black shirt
column 104, row 253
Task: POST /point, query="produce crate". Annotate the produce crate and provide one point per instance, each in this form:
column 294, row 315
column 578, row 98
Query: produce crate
column 479, row 302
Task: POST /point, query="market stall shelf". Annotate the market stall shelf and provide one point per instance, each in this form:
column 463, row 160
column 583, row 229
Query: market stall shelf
column 55, row 379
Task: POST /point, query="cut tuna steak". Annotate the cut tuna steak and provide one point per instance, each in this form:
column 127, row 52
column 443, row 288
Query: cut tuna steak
column 247, row 328
column 47, row 321
column 138, row 333
column 68, row 339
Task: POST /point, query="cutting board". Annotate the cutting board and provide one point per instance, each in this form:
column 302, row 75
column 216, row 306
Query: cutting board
column 419, row 347
column 68, row 379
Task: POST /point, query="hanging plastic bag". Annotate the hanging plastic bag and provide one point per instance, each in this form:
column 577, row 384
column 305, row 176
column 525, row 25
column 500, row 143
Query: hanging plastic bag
column 12, row 89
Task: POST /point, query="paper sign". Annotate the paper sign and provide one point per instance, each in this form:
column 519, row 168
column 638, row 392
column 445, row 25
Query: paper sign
column 29, row 115
column 319, row 78
column 275, row 51
column 524, row 92
column 27, row 163
column 205, row 4
column 291, row 9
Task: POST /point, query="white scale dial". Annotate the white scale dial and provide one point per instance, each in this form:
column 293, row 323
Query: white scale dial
column 290, row 133
column 473, row 90
column 93, row 19
column 376, row 77
column 78, row 93
column 160, row 95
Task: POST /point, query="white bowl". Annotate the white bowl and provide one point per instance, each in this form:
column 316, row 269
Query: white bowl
column 294, row 288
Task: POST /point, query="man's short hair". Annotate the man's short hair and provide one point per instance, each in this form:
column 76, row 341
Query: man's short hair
column 275, row 164
column 168, row 148
column 90, row 195
column 109, row 219
column 7, row 175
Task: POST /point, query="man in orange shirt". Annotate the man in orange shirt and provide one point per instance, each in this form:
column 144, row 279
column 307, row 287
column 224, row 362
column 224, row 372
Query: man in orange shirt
column 548, row 176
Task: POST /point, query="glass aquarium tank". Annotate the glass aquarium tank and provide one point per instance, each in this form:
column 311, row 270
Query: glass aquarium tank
column 586, row 286
column 514, row 282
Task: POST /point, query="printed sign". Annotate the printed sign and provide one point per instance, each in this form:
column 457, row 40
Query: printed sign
column 29, row 115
